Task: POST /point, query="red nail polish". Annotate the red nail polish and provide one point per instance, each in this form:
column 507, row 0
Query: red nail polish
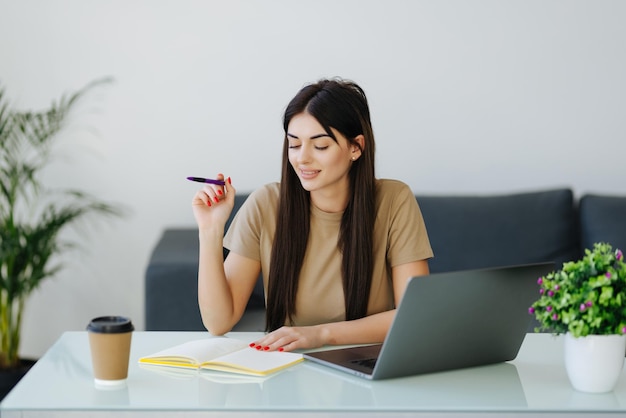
column 216, row 199
column 208, row 203
column 219, row 192
column 281, row 349
column 229, row 182
column 252, row 345
column 266, row 348
column 258, row 347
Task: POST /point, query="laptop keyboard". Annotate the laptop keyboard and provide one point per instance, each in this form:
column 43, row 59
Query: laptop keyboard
column 367, row 363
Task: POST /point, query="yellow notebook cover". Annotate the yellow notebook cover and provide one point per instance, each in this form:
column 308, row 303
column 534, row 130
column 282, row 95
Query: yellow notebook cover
column 223, row 354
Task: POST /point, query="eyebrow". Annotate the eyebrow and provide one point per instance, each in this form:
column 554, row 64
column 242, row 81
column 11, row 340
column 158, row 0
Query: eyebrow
column 313, row 137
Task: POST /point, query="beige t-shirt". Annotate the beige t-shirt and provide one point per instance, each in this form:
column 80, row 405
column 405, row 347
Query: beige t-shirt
column 399, row 237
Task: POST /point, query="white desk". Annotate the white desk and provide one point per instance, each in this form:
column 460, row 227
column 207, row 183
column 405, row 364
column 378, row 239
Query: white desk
column 61, row 384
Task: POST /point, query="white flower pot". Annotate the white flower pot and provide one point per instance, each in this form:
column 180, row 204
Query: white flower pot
column 594, row 363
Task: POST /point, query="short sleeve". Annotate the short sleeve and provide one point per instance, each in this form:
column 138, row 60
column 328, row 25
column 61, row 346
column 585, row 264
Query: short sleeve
column 407, row 238
column 249, row 230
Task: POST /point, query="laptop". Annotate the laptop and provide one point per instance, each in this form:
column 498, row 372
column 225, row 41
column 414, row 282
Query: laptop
column 448, row 321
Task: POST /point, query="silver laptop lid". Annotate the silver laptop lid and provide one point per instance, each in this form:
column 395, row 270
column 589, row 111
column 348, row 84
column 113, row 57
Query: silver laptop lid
column 450, row 321
column 460, row 319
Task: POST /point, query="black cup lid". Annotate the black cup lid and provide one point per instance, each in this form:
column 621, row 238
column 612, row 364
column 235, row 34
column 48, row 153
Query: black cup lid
column 110, row 325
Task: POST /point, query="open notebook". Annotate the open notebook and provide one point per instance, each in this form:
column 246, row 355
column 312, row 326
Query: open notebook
column 222, row 354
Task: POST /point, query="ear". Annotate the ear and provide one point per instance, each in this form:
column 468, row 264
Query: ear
column 355, row 151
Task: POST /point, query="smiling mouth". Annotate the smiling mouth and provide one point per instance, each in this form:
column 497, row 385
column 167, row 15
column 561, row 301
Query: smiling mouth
column 306, row 174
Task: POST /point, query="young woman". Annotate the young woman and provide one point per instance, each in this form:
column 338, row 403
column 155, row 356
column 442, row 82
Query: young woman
column 336, row 246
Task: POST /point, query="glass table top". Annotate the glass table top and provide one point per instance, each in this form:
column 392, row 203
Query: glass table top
column 535, row 381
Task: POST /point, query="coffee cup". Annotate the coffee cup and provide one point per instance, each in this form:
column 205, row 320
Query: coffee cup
column 109, row 341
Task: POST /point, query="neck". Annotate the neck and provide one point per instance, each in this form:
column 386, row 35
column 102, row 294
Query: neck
column 330, row 202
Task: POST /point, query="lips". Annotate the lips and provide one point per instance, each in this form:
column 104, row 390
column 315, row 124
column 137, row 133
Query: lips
column 308, row 174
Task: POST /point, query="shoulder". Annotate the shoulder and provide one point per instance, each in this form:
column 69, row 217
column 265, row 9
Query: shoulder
column 262, row 201
column 258, row 208
column 389, row 189
column 394, row 197
column 267, row 192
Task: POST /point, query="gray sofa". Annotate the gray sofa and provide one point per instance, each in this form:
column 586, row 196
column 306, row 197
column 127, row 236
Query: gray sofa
column 466, row 232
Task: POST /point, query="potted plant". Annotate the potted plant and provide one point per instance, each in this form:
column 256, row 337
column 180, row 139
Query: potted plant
column 586, row 301
column 32, row 216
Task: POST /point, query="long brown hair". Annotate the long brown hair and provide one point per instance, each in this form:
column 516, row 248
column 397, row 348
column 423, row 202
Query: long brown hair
column 343, row 106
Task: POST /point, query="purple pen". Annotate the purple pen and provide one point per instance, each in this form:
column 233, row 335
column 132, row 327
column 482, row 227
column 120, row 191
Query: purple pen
column 203, row 180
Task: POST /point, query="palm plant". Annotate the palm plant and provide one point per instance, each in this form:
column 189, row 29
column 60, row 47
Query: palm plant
column 31, row 217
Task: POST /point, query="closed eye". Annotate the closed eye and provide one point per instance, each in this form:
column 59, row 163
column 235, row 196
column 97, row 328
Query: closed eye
column 317, row 148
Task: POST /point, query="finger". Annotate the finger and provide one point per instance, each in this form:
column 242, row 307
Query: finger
column 288, row 347
column 230, row 190
column 287, row 342
column 211, row 195
column 201, row 199
column 271, row 341
column 221, row 192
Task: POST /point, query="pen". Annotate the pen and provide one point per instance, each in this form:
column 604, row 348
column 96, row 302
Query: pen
column 203, row 180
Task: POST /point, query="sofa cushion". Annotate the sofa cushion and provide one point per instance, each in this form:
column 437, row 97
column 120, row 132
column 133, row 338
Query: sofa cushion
column 171, row 287
column 469, row 232
column 603, row 219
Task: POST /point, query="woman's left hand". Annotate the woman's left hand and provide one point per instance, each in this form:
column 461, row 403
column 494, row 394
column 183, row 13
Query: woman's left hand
column 291, row 338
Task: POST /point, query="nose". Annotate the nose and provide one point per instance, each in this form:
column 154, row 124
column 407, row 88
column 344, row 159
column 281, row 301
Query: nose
column 304, row 154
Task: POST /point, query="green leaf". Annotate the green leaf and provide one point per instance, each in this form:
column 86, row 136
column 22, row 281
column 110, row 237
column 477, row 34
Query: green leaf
column 588, row 295
column 29, row 239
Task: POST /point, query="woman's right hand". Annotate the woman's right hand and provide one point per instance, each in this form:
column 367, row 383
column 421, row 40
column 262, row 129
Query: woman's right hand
column 213, row 204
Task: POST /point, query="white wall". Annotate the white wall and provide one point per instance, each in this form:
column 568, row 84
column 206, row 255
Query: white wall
column 482, row 96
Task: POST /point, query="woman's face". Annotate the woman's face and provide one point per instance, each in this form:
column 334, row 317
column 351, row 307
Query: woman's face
column 321, row 163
